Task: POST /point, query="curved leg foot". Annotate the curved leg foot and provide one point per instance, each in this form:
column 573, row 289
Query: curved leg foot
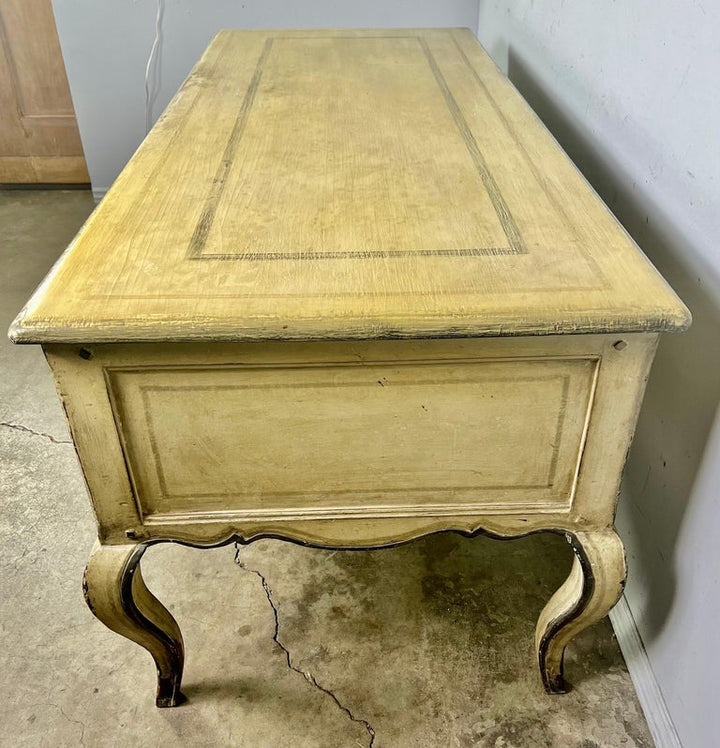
column 116, row 594
column 595, row 584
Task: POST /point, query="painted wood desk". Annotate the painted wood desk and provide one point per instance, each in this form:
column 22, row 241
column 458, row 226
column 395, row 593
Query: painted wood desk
column 348, row 292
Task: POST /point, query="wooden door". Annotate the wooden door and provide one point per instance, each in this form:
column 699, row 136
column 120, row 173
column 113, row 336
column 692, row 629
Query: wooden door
column 39, row 137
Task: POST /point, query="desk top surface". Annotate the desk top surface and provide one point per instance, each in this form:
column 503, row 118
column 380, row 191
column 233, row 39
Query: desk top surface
column 347, row 184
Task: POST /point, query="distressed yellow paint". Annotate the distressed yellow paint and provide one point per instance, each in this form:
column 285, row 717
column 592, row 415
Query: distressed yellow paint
column 325, row 184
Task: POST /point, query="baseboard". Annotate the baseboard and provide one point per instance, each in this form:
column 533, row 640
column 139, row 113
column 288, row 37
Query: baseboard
column 643, row 678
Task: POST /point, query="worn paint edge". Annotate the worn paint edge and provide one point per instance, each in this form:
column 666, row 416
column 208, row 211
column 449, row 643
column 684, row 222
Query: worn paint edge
column 168, row 686
column 647, row 688
column 26, row 330
column 558, row 684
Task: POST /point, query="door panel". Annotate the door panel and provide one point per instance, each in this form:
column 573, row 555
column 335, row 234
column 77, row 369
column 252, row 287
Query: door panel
column 39, row 138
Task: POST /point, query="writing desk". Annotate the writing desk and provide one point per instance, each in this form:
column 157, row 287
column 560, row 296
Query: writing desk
column 349, row 292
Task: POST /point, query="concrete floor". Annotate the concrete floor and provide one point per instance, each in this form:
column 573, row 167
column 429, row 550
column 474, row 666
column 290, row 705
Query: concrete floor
column 425, row 645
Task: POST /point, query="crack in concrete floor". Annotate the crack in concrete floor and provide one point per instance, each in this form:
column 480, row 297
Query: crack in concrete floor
column 453, row 587
column 309, row 677
column 73, row 721
column 27, row 430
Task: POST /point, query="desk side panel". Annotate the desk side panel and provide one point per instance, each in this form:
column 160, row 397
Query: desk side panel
column 411, row 437
column 203, row 442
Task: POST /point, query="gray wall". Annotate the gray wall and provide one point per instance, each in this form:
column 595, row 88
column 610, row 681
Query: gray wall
column 106, row 44
column 630, row 90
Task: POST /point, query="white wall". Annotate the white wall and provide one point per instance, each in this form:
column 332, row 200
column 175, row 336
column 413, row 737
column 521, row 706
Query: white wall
column 630, row 89
column 106, row 44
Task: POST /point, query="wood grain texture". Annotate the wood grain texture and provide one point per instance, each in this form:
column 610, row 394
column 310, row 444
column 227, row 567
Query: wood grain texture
column 347, row 184
column 39, row 137
column 56, row 170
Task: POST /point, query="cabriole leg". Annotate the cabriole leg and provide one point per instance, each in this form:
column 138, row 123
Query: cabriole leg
column 116, row 594
column 595, row 584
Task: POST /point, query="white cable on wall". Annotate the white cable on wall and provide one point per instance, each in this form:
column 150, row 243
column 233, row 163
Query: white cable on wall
column 151, row 58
